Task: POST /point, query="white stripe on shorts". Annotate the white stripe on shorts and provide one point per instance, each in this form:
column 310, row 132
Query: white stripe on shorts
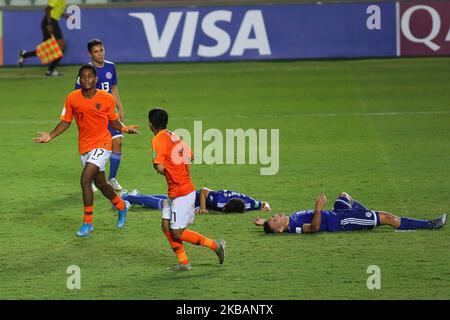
column 361, row 222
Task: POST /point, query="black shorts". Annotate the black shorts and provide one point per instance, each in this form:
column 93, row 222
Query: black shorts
column 56, row 29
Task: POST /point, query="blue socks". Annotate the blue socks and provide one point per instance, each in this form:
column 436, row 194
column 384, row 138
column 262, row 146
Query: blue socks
column 114, row 164
column 152, row 202
column 412, row 224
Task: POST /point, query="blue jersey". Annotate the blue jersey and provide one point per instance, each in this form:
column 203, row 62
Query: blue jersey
column 216, row 200
column 344, row 217
column 107, row 77
column 298, row 219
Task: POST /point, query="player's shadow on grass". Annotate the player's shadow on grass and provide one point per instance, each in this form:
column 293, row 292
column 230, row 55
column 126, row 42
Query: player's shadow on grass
column 221, row 213
column 53, row 204
column 261, row 233
column 199, row 271
column 337, row 235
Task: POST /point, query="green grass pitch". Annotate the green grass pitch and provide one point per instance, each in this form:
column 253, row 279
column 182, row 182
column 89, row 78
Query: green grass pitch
column 378, row 129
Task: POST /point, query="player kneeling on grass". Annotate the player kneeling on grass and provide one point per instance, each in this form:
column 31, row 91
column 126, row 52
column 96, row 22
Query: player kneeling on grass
column 93, row 109
column 222, row 200
column 347, row 215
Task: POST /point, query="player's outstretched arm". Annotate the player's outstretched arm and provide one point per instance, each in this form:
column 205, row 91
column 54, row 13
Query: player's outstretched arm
column 119, row 126
column 130, row 129
column 44, row 137
column 265, row 206
column 321, row 201
column 203, row 195
column 259, row 221
column 115, row 93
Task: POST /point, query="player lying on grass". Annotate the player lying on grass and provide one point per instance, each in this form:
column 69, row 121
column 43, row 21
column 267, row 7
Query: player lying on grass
column 221, row 200
column 93, row 110
column 347, row 215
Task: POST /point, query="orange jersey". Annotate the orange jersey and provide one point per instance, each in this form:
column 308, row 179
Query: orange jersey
column 92, row 117
column 174, row 154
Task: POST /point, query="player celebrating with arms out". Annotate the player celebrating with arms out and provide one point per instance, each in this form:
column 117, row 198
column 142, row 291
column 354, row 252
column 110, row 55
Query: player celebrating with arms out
column 171, row 158
column 107, row 81
column 93, row 109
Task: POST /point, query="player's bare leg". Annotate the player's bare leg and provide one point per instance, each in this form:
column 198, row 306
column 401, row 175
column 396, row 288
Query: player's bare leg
column 177, row 247
column 347, row 196
column 108, row 191
column 176, row 233
column 218, row 246
column 117, row 145
column 402, row 223
column 87, row 176
column 165, row 225
column 387, row 218
column 89, row 171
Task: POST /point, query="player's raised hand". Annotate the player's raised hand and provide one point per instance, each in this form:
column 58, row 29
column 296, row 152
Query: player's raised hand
column 321, row 201
column 131, row 129
column 259, row 221
column 265, row 207
column 42, row 137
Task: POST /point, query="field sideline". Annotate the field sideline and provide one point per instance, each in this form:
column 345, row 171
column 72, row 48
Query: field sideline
column 378, row 129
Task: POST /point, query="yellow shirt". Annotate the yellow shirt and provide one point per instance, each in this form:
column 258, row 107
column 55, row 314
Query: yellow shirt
column 58, row 7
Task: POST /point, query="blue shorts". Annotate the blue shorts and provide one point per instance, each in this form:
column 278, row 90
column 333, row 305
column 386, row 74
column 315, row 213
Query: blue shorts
column 353, row 216
column 357, row 219
column 342, row 203
column 115, row 133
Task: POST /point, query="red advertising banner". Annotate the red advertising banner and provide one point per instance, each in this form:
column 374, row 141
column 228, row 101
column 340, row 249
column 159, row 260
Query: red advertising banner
column 424, row 28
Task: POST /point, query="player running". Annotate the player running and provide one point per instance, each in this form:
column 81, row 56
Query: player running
column 107, row 81
column 93, row 109
column 347, row 215
column 171, row 158
column 221, row 200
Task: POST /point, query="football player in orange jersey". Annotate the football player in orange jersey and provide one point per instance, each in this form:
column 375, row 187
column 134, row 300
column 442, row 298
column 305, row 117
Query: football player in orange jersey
column 93, row 109
column 171, row 158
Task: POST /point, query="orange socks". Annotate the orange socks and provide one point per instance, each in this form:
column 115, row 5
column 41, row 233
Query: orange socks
column 88, row 210
column 118, row 203
column 198, row 239
column 178, row 248
column 88, row 214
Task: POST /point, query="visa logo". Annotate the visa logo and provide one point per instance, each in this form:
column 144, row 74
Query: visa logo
column 252, row 33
